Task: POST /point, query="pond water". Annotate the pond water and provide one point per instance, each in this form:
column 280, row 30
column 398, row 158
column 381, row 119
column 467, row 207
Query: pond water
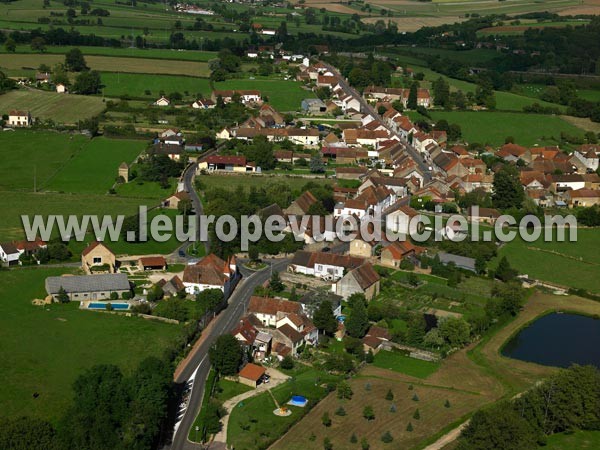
column 558, row 340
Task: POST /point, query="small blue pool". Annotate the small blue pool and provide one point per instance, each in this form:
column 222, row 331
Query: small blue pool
column 341, row 318
column 100, row 305
column 298, row 400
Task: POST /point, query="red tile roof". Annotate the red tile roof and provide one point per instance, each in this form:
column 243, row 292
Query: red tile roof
column 252, row 372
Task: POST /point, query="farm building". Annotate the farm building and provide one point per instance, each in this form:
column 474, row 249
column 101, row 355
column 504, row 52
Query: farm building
column 152, row 263
column 19, row 119
column 88, row 287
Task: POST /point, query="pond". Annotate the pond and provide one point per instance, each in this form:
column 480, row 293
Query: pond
column 558, row 340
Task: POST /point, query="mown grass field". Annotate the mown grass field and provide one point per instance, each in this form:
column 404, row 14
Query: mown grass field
column 492, row 127
column 28, row 62
column 404, row 364
column 44, row 349
column 573, row 264
column 145, row 189
column 94, row 168
column 61, row 108
column 580, row 440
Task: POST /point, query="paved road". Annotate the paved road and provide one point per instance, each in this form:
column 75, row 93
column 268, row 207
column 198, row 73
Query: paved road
column 367, row 108
column 222, row 324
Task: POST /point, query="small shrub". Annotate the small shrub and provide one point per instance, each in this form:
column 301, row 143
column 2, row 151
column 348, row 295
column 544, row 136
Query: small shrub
column 447, row 404
column 364, row 444
column 409, row 427
column 367, row 386
column 340, row 411
column 410, row 387
column 327, row 445
column 353, row 438
column 287, row 363
column 393, row 408
column 415, row 398
column 387, row 437
column 368, row 413
column 326, row 420
column 312, row 437
column 417, row 415
column 390, row 395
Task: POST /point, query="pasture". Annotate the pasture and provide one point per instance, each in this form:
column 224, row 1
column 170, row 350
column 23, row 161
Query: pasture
column 93, row 169
column 27, row 154
column 232, row 182
column 492, row 127
column 29, row 62
column 61, row 108
column 44, row 349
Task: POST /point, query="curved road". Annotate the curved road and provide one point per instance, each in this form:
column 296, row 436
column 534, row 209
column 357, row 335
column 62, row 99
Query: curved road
column 367, row 108
column 198, row 362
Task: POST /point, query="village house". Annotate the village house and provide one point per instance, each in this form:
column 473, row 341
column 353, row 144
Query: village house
column 363, row 280
column 19, row 119
column 175, row 152
column 61, row 88
column 214, row 163
column 98, row 258
column 393, row 255
column 203, row 103
column 268, row 310
column 313, row 106
column 362, row 248
column 398, row 218
column 308, row 137
column 324, row 265
column 257, row 343
column 152, row 263
column 88, row 287
column 377, row 338
column 247, row 96
column 172, row 287
column 173, row 201
column 301, row 205
column 582, row 198
column 483, row 215
column 163, row 101
column 211, row 273
column 9, row 255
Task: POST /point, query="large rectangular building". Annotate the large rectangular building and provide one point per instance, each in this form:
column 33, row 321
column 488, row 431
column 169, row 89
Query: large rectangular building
column 88, row 287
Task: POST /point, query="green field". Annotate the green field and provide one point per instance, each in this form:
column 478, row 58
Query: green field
column 95, row 167
column 61, row 108
column 45, row 348
column 580, row 440
column 573, row 264
column 145, row 189
column 492, row 127
column 232, row 182
column 283, row 95
column 136, row 85
column 404, row 364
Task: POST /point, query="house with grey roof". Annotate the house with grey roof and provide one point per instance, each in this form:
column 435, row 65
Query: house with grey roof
column 462, row 262
column 88, row 287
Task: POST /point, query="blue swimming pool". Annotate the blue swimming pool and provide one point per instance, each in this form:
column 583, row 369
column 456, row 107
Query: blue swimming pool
column 102, row 305
column 298, row 400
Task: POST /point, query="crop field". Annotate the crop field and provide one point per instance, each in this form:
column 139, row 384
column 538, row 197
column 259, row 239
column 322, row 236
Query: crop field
column 48, row 361
column 492, row 127
column 573, row 264
column 66, row 109
column 29, row 62
column 94, row 169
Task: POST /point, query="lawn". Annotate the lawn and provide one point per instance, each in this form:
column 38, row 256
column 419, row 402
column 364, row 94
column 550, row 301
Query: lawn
column 94, row 168
column 29, row 62
column 573, row 264
column 27, row 154
column 283, row 95
column 252, row 424
column 227, row 389
column 138, row 188
column 44, row 349
column 398, row 362
column 491, row 127
column 580, row 440
column 61, row 108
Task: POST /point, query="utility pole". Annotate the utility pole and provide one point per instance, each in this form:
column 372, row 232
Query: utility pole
column 34, row 178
